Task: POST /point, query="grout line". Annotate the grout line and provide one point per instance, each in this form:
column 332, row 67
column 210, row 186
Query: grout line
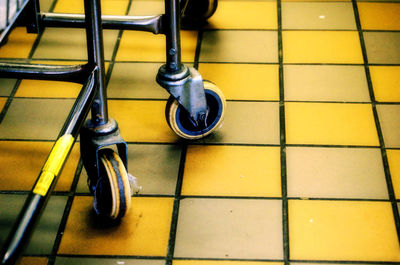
column 67, row 210
column 116, row 47
column 285, row 210
column 178, row 190
column 378, row 126
column 175, row 212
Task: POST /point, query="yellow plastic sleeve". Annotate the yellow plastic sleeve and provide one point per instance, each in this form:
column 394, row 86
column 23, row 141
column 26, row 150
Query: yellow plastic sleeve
column 53, row 164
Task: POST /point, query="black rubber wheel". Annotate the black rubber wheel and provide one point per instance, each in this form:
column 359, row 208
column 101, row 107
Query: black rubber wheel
column 112, row 197
column 196, row 12
column 179, row 119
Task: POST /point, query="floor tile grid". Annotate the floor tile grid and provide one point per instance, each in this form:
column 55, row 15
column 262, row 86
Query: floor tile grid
column 282, row 132
column 389, row 182
column 282, row 116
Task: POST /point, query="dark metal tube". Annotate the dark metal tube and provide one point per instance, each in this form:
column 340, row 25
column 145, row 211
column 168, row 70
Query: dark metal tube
column 94, row 37
column 36, row 200
column 172, row 28
column 71, row 73
column 142, row 23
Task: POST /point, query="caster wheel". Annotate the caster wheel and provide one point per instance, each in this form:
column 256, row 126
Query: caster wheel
column 179, row 119
column 196, row 12
column 112, row 197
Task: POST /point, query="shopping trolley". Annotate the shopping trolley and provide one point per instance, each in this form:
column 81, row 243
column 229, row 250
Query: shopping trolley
column 195, row 108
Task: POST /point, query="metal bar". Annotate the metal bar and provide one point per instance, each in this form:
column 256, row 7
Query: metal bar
column 94, row 39
column 173, row 43
column 141, row 23
column 71, row 73
column 48, row 177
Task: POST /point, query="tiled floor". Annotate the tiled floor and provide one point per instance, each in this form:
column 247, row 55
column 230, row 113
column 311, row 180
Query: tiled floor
column 306, row 169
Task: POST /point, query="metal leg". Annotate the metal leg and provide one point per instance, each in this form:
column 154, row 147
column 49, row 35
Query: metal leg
column 100, row 131
column 183, row 83
column 94, row 37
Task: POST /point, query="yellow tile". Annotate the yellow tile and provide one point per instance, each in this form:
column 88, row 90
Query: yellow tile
column 19, row 44
column 321, row 47
column 108, row 7
column 245, row 82
column 394, row 165
column 2, row 103
column 32, row 261
column 222, row 262
column 386, row 83
column 232, row 171
column 145, row 46
column 342, row 230
column 245, row 15
column 48, row 89
column 142, row 121
column 379, row 16
column 330, row 123
column 20, row 173
column 144, row 231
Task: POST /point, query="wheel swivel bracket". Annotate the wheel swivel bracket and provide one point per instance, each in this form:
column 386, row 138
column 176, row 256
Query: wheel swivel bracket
column 187, row 87
column 93, row 139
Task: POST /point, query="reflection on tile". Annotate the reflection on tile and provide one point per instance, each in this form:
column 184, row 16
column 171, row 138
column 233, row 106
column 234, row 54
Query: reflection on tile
column 20, row 173
column 394, row 166
column 40, row 119
column 230, row 229
column 63, row 43
column 342, row 230
column 326, row 83
column 155, row 167
column 114, row 7
column 330, row 123
column 33, row 261
column 330, row 173
column 379, row 16
column 144, row 231
column 105, row 261
column 135, row 80
column 245, row 82
column 223, row 262
column 147, row 8
column 248, row 122
column 232, row 171
column 142, row 121
column 321, row 47
column 245, row 15
column 382, row 47
column 239, row 46
column 389, row 117
column 318, row 16
column 147, row 47
column 6, row 86
column 43, row 237
column 19, row 44
column 386, row 83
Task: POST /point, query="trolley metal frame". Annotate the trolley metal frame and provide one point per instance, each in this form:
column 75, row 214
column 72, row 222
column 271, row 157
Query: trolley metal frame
column 183, row 83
